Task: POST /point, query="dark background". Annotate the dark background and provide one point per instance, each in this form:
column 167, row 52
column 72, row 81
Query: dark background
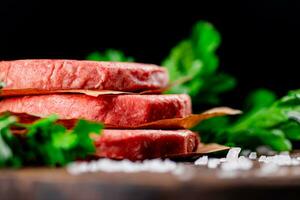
column 260, row 38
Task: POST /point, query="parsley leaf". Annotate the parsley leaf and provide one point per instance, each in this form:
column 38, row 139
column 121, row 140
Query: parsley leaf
column 45, row 142
column 267, row 121
column 195, row 58
column 5, row 135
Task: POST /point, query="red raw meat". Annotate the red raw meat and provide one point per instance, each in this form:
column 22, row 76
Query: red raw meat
column 73, row 74
column 145, row 144
column 117, row 110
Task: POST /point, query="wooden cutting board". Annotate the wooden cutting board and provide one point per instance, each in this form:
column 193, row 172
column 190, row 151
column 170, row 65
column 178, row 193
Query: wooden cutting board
column 198, row 183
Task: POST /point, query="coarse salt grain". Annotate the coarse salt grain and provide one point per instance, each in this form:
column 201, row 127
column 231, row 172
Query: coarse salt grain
column 253, row 156
column 283, row 159
column 262, row 158
column 213, row 163
column 202, row 160
column 268, row 168
column 242, row 163
column 295, row 162
column 233, row 153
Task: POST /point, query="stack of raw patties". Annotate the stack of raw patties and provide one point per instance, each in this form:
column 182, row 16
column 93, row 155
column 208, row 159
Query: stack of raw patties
column 62, row 87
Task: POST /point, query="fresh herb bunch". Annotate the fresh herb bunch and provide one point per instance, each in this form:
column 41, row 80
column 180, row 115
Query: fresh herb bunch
column 195, row 58
column 270, row 122
column 109, row 55
column 45, row 142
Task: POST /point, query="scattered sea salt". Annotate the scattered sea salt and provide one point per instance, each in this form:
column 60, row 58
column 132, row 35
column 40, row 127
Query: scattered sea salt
column 213, row 163
column 233, row 163
column 253, row 156
column 283, row 159
column 233, row 153
column 295, row 162
column 267, row 169
column 107, row 165
column 242, row 163
column 202, row 160
column 262, row 158
column 230, row 163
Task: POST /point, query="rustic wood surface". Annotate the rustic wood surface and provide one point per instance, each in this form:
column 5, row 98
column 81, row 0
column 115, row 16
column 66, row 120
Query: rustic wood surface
column 198, row 183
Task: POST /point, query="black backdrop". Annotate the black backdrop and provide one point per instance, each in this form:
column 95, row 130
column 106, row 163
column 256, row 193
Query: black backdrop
column 260, row 38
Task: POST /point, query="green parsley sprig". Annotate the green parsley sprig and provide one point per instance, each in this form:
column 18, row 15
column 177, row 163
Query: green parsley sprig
column 45, row 142
column 270, row 122
column 195, row 57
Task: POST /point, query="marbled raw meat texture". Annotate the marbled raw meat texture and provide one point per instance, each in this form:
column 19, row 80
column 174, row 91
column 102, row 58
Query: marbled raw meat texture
column 145, row 144
column 73, row 74
column 115, row 110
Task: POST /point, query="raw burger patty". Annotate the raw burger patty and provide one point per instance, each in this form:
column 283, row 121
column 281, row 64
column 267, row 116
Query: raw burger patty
column 115, row 110
column 73, row 74
column 145, row 144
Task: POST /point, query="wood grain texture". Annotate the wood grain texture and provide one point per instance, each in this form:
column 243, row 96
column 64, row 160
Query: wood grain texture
column 43, row 183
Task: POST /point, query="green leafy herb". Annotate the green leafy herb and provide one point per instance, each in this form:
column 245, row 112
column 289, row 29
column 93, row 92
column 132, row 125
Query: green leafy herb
column 45, row 142
column 271, row 122
column 109, row 55
column 5, row 135
column 196, row 58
